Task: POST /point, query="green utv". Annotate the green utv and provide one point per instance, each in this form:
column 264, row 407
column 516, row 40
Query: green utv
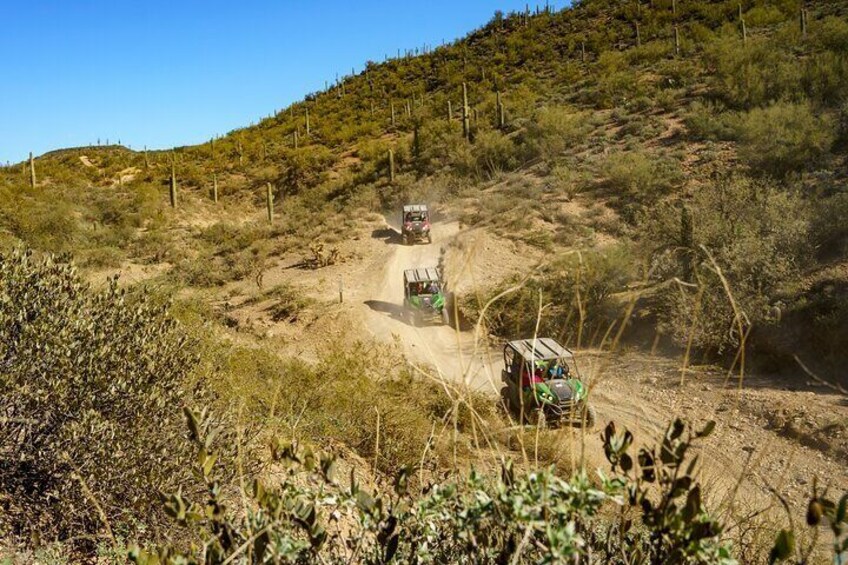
column 541, row 379
column 424, row 296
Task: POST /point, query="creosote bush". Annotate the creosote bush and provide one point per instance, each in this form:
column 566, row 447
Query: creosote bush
column 91, row 384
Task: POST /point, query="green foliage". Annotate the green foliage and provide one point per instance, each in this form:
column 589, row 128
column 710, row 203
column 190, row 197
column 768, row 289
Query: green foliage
column 513, row 517
column 553, row 130
column 576, row 291
column 784, row 138
column 752, row 233
column 91, row 383
column 639, row 175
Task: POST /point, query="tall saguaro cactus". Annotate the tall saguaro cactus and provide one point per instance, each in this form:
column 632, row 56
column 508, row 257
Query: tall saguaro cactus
column 466, row 118
column 501, row 115
column 269, row 202
column 173, row 187
column 308, row 131
column 31, row 170
column 391, row 166
column 214, row 188
column 392, row 104
column 677, row 39
column 294, row 136
column 450, row 111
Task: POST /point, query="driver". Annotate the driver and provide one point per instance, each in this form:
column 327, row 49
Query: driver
column 533, row 386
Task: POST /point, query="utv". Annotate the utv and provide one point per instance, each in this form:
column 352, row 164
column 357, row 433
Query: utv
column 539, row 381
column 424, row 296
column 415, row 223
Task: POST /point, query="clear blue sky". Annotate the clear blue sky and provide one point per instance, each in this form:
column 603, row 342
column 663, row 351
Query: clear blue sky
column 161, row 74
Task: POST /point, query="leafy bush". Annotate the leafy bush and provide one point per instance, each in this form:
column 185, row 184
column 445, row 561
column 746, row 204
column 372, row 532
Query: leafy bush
column 553, row 130
column 90, row 388
column 635, row 173
column 576, row 290
column 515, row 517
column 784, row 138
column 756, row 234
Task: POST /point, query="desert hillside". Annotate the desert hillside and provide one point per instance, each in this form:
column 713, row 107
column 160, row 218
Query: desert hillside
column 206, row 354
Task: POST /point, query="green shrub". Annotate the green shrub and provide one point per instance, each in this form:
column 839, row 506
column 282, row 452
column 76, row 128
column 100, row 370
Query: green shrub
column 91, row 384
column 636, row 173
column 757, row 235
column 308, row 515
column 554, row 130
column 784, row 138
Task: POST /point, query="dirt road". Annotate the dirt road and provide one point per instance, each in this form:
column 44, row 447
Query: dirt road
column 641, row 392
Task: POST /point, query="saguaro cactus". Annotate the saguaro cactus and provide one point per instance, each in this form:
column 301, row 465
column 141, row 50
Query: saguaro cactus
column 31, row 170
column 450, row 111
column 677, row 39
column 803, row 22
column 269, row 202
column 501, row 115
column 214, row 188
column 308, row 131
column 582, row 51
column 173, row 187
column 146, row 160
column 466, row 123
column 212, row 147
column 392, row 105
column 391, row 166
column 638, row 36
column 240, row 151
column 294, row 135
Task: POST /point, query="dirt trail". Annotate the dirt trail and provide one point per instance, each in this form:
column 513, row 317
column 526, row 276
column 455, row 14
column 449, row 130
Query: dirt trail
column 641, row 392
column 459, row 357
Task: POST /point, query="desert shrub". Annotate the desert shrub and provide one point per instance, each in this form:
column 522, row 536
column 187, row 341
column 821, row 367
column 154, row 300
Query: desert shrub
column 636, row 173
column 91, row 384
column 752, row 74
column 784, row 138
column 755, row 233
column 476, row 518
column 577, row 290
column 553, row 130
column 494, row 154
column 707, row 120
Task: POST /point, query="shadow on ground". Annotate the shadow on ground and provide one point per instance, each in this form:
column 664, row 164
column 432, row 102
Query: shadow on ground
column 395, row 311
column 390, row 236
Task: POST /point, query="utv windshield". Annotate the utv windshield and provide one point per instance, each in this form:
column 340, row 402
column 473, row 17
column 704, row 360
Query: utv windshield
column 416, row 217
column 422, row 288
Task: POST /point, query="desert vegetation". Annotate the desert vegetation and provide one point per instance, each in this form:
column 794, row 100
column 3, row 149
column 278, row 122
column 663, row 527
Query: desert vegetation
column 666, row 169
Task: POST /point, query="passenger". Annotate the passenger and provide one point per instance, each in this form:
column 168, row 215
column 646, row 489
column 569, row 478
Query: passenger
column 433, row 288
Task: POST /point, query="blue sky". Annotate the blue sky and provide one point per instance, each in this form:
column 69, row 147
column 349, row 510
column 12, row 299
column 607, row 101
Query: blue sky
column 162, row 74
